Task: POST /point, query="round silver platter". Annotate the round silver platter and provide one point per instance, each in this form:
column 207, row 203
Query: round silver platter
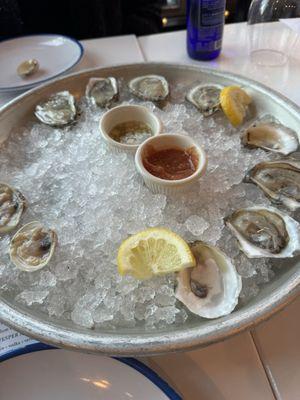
column 196, row 332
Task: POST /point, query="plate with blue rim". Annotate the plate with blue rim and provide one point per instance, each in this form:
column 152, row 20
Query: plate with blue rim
column 53, row 374
column 56, row 54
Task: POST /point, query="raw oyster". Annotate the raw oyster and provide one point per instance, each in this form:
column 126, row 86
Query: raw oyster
column 12, row 206
column 211, row 289
column 102, row 91
column 279, row 180
column 32, row 246
column 27, row 68
column 58, row 110
column 271, row 136
column 149, row 87
column 206, row 97
column 264, row 232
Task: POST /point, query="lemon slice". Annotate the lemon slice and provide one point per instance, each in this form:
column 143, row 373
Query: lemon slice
column 234, row 102
column 155, row 251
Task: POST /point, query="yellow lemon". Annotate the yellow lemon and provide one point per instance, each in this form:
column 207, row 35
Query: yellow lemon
column 234, row 103
column 155, row 251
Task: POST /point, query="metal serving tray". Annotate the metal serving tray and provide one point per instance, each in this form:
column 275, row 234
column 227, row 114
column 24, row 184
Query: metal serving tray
column 196, row 332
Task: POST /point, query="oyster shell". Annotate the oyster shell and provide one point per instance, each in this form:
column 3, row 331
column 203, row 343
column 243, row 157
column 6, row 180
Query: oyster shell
column 205, row 97
column 264, row 232
column 102, row 91
column 12, row 206
column 211, row 289
column 58, row 110
column 279, row 180
column 149, row 87
column 28, row 67
column 271, row 136
column 32, row 246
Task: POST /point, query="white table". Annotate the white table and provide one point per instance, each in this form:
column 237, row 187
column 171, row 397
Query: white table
column 262, row 364
column 171, row 47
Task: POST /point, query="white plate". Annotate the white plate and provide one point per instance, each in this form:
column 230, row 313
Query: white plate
column 59, row 374
column 55, row 53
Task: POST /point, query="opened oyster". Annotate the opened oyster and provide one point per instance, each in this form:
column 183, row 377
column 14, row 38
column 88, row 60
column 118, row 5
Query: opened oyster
column 28, row 67
column 279, row 180
column 271, row 136
column 12, row 206
column 206, row 97
column 58, row 110
column 32, row 246
column 149, row 87
column 211, row 289
column 264, row 232
column 102, row 91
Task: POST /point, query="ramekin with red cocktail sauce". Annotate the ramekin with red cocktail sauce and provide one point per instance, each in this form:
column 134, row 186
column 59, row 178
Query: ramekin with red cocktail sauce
column 170, row 163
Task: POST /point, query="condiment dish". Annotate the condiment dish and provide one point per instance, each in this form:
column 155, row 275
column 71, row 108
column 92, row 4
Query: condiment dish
column 127, row 113
column 164, row 142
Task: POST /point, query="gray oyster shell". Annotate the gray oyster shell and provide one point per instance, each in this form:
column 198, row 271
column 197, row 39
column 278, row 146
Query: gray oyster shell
column 102, row 91
column 12, row 206
column 211, row 289
column 32, row 247
column 206, row 98
column 279, row 180
column 271, row 136
column 150, row 87
column 264, row 232
column 59, row 110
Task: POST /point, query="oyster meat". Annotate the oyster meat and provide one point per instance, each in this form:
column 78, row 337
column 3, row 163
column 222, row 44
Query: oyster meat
column 211, row 289
column 58, row 110
column 264, row 232
column 149, row 87
column 271, row 136
column 102, row 91
column 32, row 246
column 279, row 180
column 12, row 206
column 206, row 97
column 28, row 67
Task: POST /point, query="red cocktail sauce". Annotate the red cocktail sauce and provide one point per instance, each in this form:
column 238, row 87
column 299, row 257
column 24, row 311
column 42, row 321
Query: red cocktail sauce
column 171, row 164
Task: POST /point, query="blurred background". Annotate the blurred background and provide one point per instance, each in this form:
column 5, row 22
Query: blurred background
column 174, row 13
column 85, row 19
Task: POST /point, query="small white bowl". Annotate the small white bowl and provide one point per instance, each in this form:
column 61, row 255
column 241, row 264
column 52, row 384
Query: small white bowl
column 167, row 141
column 126, row 113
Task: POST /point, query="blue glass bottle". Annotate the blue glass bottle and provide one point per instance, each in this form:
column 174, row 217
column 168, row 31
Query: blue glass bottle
column 205, row 23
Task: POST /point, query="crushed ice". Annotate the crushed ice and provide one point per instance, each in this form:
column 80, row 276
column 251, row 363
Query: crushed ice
column 94, row 199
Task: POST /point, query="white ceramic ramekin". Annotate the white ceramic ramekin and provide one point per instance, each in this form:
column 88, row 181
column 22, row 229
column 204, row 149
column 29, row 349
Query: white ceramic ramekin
column 125, row 113
column 168, row 141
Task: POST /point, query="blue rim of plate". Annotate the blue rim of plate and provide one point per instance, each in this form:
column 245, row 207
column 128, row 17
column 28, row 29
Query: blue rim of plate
column 130, row 361
column 31, row 85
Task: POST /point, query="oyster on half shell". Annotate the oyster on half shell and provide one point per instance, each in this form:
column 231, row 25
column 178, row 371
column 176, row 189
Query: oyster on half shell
column 58, row 110
column 211, row 289
column 279, row 180
column 206, row 98
column 32, row 246
column 150, row 87
column 271, row 136
column 12, row 206
column 102, row 91
column 28, row 67
column 264, row 232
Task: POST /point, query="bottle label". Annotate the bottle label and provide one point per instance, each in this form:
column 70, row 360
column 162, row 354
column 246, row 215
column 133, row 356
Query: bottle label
column 205, row 22
column 212, row 12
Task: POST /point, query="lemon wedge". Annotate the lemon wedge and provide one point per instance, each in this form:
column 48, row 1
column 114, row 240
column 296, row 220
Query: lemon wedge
column 234, row 103
column 155, row 251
